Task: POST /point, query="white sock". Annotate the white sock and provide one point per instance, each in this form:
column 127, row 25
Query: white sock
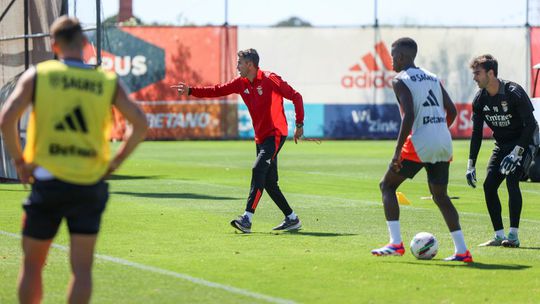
column 292, row 216
column 249, row 215
column 459, row 241
column 395, row 232
column 513, row 231
column 500, row 234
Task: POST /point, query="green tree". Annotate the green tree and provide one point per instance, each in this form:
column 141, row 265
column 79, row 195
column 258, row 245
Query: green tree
column 292, row 22
column 112, row 20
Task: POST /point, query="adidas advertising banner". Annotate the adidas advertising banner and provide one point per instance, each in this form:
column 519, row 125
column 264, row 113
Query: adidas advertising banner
column 353, row 66
column 346, row 72
column 350, row 70
column 150, row 59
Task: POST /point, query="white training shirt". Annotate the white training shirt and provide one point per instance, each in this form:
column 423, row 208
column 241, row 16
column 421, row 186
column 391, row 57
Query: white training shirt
column 430, row 136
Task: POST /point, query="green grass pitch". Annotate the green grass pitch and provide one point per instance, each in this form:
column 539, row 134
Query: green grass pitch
column 166, row 237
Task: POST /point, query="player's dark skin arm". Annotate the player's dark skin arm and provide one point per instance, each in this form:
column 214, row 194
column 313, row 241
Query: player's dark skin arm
column 451, row 111
column 405, row 100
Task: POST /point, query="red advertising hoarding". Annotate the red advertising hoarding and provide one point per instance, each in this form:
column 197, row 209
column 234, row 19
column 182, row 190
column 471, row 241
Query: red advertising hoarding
column 535, row 59
column 462, row 126
column 151, row 59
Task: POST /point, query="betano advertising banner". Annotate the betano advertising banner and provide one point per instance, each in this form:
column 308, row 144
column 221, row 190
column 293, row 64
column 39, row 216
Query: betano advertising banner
column 150, row 59
column 185, row 120
column 350, row 70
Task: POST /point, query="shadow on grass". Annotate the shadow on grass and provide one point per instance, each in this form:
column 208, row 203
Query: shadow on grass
column 476, row 265
column 529, row 248
column 130, row 177
column 320, row 234
column 17, row 190
column 306, row 233
column 174, row 195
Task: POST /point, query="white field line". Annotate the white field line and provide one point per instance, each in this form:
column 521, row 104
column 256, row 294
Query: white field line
column 177, row 275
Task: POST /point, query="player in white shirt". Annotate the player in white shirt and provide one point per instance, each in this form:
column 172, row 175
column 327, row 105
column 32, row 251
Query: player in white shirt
column 424, row 141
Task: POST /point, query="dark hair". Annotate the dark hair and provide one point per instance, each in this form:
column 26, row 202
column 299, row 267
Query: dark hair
column 67, row 31
column 250, row 55
column 407, row 46
column 487, row 62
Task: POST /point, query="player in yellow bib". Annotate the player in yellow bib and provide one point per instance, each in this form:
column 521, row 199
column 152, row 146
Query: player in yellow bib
column 66, row 156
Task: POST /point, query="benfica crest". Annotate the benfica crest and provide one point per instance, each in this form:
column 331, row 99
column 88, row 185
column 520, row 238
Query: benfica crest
column 504, row 105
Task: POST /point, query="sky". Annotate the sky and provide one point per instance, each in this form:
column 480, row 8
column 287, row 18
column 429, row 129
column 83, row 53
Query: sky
column 322, row 13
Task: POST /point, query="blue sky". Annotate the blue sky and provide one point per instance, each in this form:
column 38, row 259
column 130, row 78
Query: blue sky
column 323, row 13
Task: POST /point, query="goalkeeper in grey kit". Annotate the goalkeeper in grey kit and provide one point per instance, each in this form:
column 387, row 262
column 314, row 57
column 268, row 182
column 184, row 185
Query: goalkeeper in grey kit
column 507, row 110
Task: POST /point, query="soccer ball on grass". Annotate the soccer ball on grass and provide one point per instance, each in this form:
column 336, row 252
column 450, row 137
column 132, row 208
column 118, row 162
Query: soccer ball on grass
column 424, row 246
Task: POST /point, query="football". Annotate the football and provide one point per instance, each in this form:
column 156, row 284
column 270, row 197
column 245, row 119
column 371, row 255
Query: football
column 424, row 246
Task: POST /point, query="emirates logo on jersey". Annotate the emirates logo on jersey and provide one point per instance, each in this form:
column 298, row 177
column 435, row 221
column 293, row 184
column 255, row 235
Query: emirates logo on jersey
column 373, row 71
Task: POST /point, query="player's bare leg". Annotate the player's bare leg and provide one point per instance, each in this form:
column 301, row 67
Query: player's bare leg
column 30, row 277
column 389, row 184
column 81, row 258
column 451, row 217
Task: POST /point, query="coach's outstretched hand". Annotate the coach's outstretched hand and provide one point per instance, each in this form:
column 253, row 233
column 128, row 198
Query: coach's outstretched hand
column 471, row 174
column 182, row 88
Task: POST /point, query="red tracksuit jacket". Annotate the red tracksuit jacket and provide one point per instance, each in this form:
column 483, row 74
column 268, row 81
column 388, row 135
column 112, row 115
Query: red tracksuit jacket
column 264, row 100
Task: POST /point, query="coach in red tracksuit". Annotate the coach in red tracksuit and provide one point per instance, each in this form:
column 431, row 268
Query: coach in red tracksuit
column 263, row 94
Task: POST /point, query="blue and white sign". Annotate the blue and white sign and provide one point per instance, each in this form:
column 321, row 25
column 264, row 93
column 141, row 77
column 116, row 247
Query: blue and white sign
column 361, row 121
column 313, row 120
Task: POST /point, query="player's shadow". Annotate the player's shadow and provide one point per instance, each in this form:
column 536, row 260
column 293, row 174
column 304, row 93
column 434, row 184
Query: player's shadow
column 319, row 234
column 16, row 190
column 476, row 265
column 130, row 177
column 307, row 233
column 485, row 266
column 174, row 195
column 529, row 248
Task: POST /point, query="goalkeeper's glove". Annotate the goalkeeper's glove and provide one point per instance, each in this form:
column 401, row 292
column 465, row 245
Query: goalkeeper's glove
column 511, row 161
column 471, row 174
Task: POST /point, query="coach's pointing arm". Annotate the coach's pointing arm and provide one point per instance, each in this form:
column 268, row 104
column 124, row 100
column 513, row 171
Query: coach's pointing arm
column 219, row 90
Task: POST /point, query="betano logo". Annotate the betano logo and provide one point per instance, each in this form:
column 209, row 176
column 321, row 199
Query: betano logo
column 372, row 72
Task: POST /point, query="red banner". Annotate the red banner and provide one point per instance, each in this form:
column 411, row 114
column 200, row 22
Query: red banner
column 195, row 55
column 151, row 59
column 462, row 126
column 535, row 59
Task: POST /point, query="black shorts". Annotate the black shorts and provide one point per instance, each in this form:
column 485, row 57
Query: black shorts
column 50, row 201
column 437, row 173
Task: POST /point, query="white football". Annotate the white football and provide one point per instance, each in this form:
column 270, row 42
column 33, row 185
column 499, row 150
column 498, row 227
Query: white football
column 424, row 246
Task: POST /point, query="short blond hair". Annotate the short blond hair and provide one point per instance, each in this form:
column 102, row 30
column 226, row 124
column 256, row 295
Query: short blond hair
column 67, row 31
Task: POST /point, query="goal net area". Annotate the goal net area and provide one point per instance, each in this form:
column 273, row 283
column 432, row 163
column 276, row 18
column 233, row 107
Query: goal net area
column 25, row 41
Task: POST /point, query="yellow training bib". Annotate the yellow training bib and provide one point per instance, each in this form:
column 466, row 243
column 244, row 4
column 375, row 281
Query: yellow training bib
column 68, row 130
